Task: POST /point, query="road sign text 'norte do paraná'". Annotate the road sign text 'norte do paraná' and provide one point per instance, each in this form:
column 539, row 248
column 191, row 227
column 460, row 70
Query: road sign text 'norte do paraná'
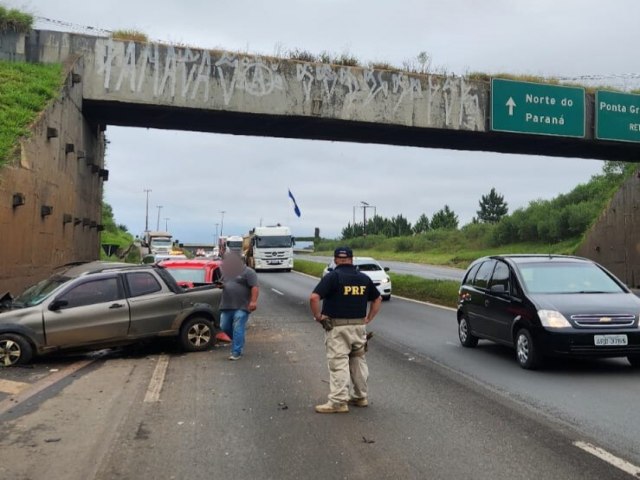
column 536, row 108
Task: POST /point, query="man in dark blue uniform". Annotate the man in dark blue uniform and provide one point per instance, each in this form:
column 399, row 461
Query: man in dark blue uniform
column 345, row 295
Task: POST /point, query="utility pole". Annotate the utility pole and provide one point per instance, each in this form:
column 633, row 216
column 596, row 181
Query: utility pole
column 159, row 207
column 146, row 216
column 222, row 212
column 166, row 224
column 216, row 238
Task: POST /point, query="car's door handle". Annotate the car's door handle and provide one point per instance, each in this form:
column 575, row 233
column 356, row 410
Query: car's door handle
column 487, row 303
column 116, row 305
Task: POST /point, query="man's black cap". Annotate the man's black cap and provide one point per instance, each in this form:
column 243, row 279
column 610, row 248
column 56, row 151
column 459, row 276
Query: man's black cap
column 343, row 252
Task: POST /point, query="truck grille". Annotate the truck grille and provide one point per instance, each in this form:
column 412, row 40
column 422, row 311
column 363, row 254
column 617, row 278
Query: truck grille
column 615, row 320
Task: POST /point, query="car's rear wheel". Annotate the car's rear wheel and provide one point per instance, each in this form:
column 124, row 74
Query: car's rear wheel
column 467, row 339
column 386, row 298
column 634, row 360
column 526, row 351
column 14, row 350
column 197, row 334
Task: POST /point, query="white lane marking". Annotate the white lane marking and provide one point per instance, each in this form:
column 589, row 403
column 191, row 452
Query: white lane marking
column 428, row 304
column 420, row 302
column 11, row 387
column 157, row 380
column 277, row 291
column 611, row 459
column 307, row 275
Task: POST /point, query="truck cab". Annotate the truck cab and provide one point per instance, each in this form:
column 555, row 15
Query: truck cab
column 269, row 248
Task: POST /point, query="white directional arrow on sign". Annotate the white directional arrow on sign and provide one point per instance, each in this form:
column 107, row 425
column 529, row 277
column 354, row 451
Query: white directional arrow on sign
column 511, row 104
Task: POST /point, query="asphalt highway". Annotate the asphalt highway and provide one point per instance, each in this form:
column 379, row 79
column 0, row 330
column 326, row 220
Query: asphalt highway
column 419, row 270
column 437, row 411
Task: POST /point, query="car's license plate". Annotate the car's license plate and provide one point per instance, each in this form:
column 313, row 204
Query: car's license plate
column 274, row 262
column 610, row 340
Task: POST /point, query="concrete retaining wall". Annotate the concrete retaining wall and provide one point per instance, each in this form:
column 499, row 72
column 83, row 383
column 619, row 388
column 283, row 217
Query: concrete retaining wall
column 45, row 173
column 614, row 240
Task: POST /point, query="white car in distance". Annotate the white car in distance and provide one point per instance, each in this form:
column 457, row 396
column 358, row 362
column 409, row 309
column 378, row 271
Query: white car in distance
column 371, row 268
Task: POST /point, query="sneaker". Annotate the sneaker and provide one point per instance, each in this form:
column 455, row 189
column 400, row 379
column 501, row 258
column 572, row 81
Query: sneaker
column 331, row 407
column 359, row 402
column 233, row 357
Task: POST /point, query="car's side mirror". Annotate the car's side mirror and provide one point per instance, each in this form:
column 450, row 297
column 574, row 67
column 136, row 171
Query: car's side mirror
column 57, row 305
column 498, row 289
column 386, row 269
column 329, row 269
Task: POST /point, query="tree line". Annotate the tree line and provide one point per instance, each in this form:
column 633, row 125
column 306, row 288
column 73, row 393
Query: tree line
column 564, row 217
column 492, row 209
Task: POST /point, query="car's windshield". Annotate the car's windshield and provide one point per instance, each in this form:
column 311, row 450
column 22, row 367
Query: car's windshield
column 161, row 242
column 234, row 245
column 369, row 267
column 193, row 275
column 276, row 241
column 567, row 277
column 37, row 293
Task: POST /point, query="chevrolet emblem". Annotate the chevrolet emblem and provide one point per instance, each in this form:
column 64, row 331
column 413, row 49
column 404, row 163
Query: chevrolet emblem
column 605, row 319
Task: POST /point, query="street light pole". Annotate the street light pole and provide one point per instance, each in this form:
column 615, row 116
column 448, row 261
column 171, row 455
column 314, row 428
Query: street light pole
column 159, row 207
column 222, row 212
column 146, row 216
column 364, row 207
column 364, row 218
column 215, row 239
column 166, row 224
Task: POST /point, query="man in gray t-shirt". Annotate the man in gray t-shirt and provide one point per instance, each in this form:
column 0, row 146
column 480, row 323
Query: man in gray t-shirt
column 239, row 298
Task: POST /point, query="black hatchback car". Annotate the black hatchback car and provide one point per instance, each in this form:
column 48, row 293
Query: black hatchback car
column 548, row 306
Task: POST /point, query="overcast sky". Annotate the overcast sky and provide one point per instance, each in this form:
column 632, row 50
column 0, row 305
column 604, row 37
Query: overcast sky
column 195, row 175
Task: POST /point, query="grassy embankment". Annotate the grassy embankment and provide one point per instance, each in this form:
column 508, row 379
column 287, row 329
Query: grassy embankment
column 452, row 254
column 555, row 226
column 116, row 235
column 441, row 292
column 25, row 91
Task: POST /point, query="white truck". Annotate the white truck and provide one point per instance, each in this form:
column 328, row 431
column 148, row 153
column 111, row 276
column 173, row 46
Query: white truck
column 234, row 244
column 159, row 243
column 269, row 248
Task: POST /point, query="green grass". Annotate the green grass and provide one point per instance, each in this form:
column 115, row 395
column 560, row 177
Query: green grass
column 13, row 20
column 460, row 257
column 314, row 269
column 115, row 235
column 441, row 292
column 25, row 91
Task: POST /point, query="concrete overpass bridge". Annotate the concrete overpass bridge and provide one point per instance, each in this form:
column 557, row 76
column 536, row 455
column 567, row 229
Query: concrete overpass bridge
column 163, row 86
column 124, row 83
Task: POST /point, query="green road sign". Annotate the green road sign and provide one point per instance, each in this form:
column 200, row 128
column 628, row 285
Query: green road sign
column 617, row 116
column 536, row 108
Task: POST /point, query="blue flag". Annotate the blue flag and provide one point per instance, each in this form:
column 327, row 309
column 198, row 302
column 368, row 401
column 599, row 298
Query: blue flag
column 295, row 205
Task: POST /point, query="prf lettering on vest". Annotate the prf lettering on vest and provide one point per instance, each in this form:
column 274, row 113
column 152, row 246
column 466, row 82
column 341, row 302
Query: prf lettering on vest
column 354, row 290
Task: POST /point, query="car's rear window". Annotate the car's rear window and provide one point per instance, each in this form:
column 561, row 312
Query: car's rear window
column 566, row 277
column 194, row 275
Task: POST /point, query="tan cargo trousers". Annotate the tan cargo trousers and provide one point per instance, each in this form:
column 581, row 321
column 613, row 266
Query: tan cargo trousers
column 345, row 356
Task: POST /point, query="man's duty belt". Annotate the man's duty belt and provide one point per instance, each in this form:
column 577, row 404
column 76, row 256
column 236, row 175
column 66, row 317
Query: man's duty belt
column 341, row 322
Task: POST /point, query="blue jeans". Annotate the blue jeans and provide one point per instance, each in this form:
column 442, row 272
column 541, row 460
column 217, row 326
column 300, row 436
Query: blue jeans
column 233, row 322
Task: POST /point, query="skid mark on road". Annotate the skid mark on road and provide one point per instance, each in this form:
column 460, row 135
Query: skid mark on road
column 611, row 459
column 11, row 387
column 157, row 380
